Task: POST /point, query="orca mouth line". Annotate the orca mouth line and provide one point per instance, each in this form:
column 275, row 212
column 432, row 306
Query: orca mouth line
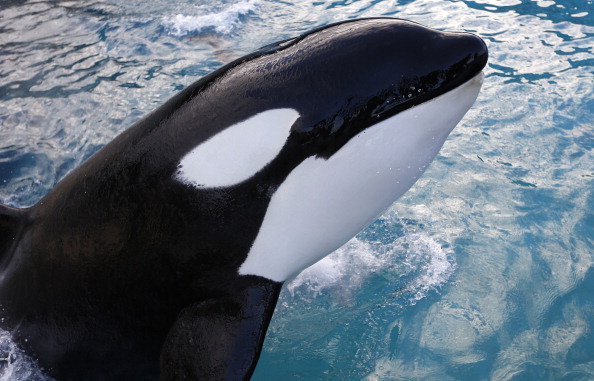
column 478, row 78
column 386, row 106
column 413, row 94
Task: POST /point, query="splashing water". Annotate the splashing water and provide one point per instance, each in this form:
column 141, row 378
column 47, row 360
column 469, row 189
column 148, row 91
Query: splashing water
column 416, row 261
column 222, row 22
column 344, row 302
column 15, row 364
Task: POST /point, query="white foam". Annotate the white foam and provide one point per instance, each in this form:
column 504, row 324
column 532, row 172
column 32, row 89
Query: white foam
column 15, row 365
column 345, row 269
column 435, row 265
column 421, row 260
column 222, row 22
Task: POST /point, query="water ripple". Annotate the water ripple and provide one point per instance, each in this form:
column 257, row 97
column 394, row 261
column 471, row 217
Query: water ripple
column 512, row 189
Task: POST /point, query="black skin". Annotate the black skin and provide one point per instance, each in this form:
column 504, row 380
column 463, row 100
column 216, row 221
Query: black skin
column 123, row 272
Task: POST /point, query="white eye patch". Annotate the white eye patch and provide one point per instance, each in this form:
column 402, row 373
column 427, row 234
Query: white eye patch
column 238, row 152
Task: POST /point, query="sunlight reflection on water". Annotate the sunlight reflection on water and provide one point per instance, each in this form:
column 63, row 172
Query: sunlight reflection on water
column 509, row 197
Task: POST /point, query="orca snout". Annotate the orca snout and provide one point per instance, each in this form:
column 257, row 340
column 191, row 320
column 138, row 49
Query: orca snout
column 471, row 54
column 478, row 51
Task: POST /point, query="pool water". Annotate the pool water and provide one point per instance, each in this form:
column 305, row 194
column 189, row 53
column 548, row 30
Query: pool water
column 482, row 271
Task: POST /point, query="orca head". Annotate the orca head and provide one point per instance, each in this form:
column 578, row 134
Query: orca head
column 349, row 76
column 350, row 115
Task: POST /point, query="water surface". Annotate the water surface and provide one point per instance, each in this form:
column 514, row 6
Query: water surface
column 482, row 271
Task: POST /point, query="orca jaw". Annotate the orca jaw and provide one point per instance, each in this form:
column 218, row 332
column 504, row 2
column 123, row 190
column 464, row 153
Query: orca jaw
column 373, row 69
column 325, row 202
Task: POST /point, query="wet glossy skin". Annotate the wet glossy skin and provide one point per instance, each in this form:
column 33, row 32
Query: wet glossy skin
column 108, row 274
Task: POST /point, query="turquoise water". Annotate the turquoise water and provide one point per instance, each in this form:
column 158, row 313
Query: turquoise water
column 482, row 271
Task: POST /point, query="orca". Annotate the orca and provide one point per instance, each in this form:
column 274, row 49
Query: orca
column 162, row 256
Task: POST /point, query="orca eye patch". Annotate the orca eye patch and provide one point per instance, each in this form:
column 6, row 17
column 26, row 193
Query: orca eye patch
column 239, row 151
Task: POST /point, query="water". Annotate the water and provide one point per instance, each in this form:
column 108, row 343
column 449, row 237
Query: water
column 482, row 271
